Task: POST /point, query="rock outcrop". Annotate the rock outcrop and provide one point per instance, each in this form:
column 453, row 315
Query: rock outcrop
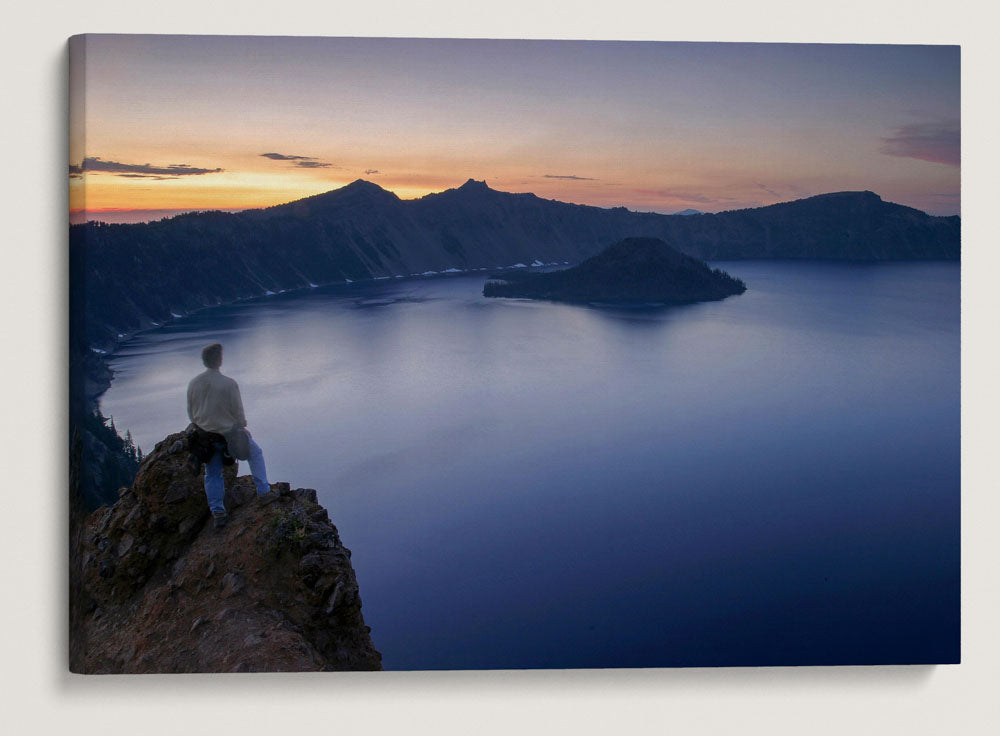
column 632, row 271
column 156, row 588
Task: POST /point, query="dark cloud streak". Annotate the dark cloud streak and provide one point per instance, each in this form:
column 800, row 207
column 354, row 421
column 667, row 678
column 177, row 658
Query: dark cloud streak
column 285, row 157
column 572, row 177
column 940, row 143
column 136, row 171
column 302, row 162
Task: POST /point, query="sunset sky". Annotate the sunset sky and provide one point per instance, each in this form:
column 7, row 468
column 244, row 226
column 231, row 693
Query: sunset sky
column 176, row 123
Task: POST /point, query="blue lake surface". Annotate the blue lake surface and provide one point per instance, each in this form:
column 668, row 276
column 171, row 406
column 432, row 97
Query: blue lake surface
column 769, row 479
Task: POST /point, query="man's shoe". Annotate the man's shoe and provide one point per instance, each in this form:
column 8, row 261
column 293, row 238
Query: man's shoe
column 263, row 499
column 219, row 518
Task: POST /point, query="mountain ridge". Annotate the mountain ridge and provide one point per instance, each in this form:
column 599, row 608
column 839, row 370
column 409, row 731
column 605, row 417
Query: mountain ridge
column 138, row 274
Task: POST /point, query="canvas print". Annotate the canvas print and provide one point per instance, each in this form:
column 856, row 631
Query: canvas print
column 431, row 354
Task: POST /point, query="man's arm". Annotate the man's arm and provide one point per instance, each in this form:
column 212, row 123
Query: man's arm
column 237, row 406
column 190, row 402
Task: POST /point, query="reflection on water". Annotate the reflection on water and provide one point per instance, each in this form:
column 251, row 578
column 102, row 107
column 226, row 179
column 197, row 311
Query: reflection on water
column 770, row 479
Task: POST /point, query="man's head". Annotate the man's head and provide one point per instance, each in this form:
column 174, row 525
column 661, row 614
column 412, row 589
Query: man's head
column 211, row 355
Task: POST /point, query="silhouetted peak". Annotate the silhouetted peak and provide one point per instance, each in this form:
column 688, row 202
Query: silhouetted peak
column 831, row 200
column 635, row 248
column 864, row 194
column 357, row 190
column 475, row 186
column 358, row 193
column 362, row 185
column 364, row 188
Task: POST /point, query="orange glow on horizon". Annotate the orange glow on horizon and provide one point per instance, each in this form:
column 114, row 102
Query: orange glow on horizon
column 234, row 189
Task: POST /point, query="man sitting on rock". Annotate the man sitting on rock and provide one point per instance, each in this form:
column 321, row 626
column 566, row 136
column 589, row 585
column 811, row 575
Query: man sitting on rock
column 215, row 408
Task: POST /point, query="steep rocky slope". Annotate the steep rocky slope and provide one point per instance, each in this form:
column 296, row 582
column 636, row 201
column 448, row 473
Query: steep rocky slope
column 156, row 588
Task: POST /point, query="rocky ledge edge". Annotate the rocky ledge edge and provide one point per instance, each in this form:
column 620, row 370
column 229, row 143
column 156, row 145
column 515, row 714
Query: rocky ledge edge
column 156, row 588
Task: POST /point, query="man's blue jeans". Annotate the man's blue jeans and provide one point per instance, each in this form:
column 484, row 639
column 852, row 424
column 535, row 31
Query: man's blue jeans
column 215, row 488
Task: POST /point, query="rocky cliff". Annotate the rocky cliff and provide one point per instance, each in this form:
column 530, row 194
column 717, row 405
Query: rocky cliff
column 156, row 588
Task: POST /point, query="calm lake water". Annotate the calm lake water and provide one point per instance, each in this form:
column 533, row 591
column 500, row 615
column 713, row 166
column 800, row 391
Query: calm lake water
column 770, row 479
